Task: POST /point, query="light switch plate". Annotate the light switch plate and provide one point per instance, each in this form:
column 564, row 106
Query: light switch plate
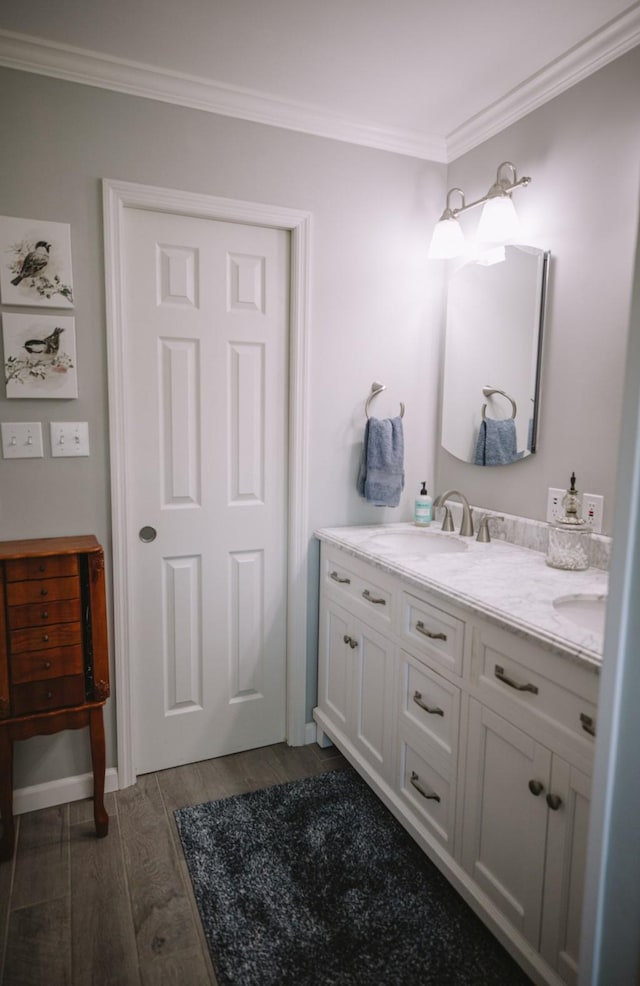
column 22, row 440
column 69, row 438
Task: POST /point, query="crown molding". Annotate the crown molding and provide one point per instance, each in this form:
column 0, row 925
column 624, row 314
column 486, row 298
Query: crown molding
column 30, row 54
column 615, row 39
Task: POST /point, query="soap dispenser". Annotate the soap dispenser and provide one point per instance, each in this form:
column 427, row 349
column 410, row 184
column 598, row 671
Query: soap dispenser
column 569, row 538
column 423, row 508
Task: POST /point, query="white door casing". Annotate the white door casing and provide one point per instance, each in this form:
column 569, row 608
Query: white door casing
column 118, row 197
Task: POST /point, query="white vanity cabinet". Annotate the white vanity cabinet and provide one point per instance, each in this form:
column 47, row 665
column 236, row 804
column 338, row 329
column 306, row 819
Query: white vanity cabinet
column 478, row 739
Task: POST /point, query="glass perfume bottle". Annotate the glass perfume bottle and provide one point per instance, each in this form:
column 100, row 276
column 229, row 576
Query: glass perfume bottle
column 569, row 538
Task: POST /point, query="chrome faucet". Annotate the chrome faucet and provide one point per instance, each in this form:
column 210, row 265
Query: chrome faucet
column 466, row 527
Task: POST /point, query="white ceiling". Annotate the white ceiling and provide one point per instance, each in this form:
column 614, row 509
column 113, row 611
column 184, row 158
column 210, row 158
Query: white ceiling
column 430, row 77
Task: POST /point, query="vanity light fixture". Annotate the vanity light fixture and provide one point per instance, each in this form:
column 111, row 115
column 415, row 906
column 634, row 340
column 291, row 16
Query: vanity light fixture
column 498, row 223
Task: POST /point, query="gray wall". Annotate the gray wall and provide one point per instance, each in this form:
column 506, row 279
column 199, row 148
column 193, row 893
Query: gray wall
column 374, row 312
column 582, row 151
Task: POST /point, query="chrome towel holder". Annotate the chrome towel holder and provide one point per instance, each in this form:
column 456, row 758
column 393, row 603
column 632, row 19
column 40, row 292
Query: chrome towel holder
column 377, row 388
column 489, row 392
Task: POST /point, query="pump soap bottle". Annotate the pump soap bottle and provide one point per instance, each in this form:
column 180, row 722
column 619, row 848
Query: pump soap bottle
column 423, row 508
column 569, row 539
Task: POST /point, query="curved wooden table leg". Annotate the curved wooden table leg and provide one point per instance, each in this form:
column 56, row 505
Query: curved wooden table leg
column 98, row 761
column 6, row 794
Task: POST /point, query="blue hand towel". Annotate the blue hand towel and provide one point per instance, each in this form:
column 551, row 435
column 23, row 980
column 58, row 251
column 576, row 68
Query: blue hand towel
column 381, row 475
column 496, row 444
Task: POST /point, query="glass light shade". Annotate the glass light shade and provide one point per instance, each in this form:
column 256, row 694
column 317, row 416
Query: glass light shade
column 447, row 240
column 499, row 221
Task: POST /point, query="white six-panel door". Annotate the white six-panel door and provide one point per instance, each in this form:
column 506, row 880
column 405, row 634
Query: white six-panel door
column 206, row 347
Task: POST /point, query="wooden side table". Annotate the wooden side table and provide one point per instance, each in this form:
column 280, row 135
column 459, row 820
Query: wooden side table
column 54, row 661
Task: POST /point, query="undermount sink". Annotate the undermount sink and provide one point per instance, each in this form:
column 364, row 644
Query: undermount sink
column 584, row 610
column 416, row 543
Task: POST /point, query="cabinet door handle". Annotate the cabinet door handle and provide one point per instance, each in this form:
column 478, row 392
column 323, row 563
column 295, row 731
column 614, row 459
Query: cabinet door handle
column 421, row 628
column 417, row 698
column 536, row 787
column 349, row 640
column 501, row 676
column 372, row 599
column 554, row 801
column 587, row 724
column 429, row 795
column 338, row 578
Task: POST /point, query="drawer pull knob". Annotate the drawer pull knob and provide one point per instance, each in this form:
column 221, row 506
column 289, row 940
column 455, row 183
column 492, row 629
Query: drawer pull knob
column 47, row 665
column 536, row 787
column 554, row 801
column 44, row 592
column 339, row 578
column 349, row 640
column 45, row 614
column 501, row 676
column 372, row 599
column 42, row 567
column 417, row 698
column 587, row 724
column 421, row 628
column 45, row 636
column 49, row 695
column 429, row 795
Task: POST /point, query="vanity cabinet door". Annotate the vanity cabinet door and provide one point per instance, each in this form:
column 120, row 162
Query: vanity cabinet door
column 505, row 820
column 355, row 683
column 565, row 867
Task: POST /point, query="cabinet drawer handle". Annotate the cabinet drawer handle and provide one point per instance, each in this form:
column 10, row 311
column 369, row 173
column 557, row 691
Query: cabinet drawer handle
column 429, row 795
column 372, row 599
column 554, row 801
column 587, row 724
column 45, row 614
column 421, row 628
column 45, row 637
column 417, row 698
column 47, row 665
column 49, row 695
column 42, row 568
column 338, row 578
column 501, row 676
column 349, row 640
column 536, row 788
column 44, row 592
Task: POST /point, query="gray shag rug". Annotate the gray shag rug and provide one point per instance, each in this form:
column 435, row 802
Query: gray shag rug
column 315, row 882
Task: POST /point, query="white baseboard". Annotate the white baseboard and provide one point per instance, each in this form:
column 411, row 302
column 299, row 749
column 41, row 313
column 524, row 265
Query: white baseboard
column 310, row 731
column 60, row 792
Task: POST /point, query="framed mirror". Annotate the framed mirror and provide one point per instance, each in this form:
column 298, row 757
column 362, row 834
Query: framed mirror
column 493, row 346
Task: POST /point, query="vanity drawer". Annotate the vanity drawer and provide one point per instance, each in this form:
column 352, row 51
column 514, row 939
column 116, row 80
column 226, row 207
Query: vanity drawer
column 430, row 706
column 43, row 614
column 428, row 790
column 514, row 678
column 44, row 638
column 433, row 632
column 19, row 569
column 38, row 590
column 355, row 582
column 34, row 665
column 57, row 693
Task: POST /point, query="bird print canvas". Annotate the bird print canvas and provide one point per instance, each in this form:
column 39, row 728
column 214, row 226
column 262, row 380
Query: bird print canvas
column 39, row 355
column 35, row 263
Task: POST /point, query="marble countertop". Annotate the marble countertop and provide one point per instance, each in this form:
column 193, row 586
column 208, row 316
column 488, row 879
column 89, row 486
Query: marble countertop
column 511, row 585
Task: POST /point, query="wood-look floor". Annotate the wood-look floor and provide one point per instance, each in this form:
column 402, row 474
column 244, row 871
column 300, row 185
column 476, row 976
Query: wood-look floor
column 81, row 911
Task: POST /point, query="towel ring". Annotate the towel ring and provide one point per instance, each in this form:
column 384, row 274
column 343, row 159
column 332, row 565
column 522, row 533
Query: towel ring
column 489, row 392
column 377, row 388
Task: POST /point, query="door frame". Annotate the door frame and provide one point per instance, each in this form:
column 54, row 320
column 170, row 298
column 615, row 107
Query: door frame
column 121, row 195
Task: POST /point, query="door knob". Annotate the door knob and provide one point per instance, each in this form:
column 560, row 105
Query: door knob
column 147, row 534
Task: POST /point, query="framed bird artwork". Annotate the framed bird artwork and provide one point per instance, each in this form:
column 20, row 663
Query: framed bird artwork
column 35, row 263
column 39, row 355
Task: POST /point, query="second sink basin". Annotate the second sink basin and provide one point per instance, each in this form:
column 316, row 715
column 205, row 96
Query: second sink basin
column 416, row 543
column 584, row 610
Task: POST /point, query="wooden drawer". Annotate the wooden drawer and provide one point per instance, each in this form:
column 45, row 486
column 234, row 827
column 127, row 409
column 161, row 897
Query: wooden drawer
column 433, row 632
column 532, row 688
column 38, row 696
column 44, row 638
column 34, row 665
column 429, row 706
column 18, row 569
column 39, row 590
column 429, row 792
column 43, row 614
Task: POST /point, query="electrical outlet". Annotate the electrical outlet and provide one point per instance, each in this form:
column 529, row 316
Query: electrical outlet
column 554, row 504
column 593, row 511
